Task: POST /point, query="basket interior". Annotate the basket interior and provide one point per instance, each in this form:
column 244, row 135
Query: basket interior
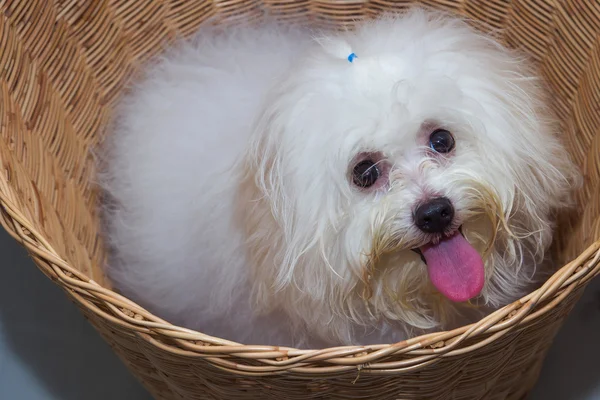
column 65, row 64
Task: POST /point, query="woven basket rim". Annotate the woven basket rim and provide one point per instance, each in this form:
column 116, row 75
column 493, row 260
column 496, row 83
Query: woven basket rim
column 48, row 203
column 417, row 352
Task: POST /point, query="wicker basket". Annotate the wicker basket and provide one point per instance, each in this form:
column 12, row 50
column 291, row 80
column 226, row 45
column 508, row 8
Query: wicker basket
column 62, row 66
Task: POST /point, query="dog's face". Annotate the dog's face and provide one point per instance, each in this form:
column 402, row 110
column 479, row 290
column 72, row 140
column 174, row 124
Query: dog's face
column 419, row 175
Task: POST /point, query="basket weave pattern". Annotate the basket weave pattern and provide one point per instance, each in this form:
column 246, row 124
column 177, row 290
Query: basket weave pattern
column 63, row 64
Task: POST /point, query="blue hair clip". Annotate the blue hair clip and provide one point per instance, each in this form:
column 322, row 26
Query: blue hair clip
column 351, row 57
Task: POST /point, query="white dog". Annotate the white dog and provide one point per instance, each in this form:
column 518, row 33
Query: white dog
column 269, row 185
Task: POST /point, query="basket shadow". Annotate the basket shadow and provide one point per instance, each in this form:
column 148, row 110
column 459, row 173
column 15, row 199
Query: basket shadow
column 571, row 370
column 47, row 349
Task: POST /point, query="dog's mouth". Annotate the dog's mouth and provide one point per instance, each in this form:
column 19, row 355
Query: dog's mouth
column 420, row 253
column 455, row 268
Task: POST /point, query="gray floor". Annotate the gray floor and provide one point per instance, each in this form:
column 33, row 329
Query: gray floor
column 48, row 351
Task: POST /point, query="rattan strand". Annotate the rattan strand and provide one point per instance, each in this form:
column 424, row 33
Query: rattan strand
column 64, row 64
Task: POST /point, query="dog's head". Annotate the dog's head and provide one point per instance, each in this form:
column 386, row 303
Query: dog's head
column 421, row 173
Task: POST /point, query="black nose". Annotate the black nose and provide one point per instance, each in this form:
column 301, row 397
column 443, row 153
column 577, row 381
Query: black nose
column 435, row 215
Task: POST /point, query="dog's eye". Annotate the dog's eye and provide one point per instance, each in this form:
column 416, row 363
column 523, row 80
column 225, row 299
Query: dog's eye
column 365, row 173
column 441, row 141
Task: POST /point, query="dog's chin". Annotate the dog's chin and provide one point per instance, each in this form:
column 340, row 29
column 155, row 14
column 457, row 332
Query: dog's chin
column 454, row 267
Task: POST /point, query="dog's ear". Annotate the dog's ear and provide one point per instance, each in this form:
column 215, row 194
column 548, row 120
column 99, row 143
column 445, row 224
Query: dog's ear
column 262, row 165
column 266, row 204
column 542, row 172
column 546, row 175
column 555, row 176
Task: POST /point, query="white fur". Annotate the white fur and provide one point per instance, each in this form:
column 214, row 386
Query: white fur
column 232, row 211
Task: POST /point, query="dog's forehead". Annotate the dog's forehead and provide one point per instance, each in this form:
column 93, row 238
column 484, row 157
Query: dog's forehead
column 393, row 95
column 405, row 77
column 382, row 99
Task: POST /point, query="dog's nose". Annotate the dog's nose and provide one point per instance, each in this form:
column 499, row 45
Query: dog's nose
column 435, row 215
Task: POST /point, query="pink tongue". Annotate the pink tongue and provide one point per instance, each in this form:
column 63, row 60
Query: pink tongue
column 455, row 268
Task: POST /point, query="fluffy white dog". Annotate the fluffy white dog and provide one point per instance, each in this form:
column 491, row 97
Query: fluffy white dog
column 269, row 185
